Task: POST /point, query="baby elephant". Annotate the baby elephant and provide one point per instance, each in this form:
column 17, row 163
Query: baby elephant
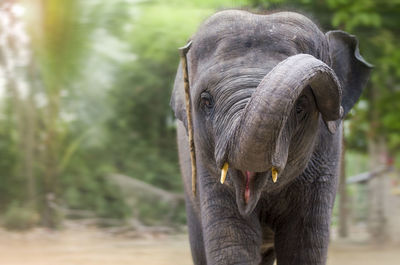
column 260, row 101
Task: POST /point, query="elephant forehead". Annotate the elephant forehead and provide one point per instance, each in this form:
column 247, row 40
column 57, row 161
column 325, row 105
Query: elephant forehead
column 233, row 33
column 233, row 74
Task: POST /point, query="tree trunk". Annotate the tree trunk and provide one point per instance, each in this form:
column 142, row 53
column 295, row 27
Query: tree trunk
column 29, row 142
column 378, row 157
column 50, row 158
column 343, row 211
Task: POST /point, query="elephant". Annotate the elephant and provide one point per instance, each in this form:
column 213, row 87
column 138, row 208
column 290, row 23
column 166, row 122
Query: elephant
column 267, row 97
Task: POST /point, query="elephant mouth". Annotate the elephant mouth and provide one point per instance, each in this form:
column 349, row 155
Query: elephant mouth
column 248, row 187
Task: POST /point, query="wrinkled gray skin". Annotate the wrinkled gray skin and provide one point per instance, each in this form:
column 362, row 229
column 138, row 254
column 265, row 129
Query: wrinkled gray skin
column 266, row 90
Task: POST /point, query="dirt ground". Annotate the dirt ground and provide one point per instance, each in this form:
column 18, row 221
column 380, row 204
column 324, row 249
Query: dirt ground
column 90, row 246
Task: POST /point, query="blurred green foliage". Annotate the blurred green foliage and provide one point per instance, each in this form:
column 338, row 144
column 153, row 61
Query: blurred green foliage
column 99, row 76
column 20, row 218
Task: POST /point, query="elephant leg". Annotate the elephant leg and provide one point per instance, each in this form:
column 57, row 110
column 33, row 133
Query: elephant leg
column 302, row 238
column 195, row 235
column 301, row 244
column 192, row 208
column 229, row 238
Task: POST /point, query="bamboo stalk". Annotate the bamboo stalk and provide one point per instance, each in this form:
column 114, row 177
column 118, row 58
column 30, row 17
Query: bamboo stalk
column 182, row 52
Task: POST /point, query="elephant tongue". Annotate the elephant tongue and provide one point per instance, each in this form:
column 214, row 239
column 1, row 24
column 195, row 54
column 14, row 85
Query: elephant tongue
column 249, row 175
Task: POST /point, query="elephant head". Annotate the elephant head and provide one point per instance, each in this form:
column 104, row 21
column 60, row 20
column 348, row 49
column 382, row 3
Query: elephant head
column 263, row 87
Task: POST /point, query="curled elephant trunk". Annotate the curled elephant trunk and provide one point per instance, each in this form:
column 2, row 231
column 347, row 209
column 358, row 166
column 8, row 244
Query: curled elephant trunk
column 259, row 142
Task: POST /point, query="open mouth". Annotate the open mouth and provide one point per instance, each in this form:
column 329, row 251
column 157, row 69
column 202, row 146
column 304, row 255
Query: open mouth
column 248, row 177
column 249, row 186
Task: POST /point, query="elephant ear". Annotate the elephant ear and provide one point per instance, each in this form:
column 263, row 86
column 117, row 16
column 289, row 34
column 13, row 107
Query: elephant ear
column 180, row 99
column 350, row 67
column 177, row 102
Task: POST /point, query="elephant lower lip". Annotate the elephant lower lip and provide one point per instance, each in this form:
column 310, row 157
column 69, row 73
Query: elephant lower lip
column 249, row 186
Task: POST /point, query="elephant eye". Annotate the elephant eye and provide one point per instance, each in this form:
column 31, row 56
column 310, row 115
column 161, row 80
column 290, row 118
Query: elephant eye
column 207, row 100
column 301, row 104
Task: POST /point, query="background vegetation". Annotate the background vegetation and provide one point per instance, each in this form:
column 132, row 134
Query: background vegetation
column 85, row 89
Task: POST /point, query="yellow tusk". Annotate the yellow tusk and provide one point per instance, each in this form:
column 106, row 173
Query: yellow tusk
column 224, row 171
column 274, row 174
